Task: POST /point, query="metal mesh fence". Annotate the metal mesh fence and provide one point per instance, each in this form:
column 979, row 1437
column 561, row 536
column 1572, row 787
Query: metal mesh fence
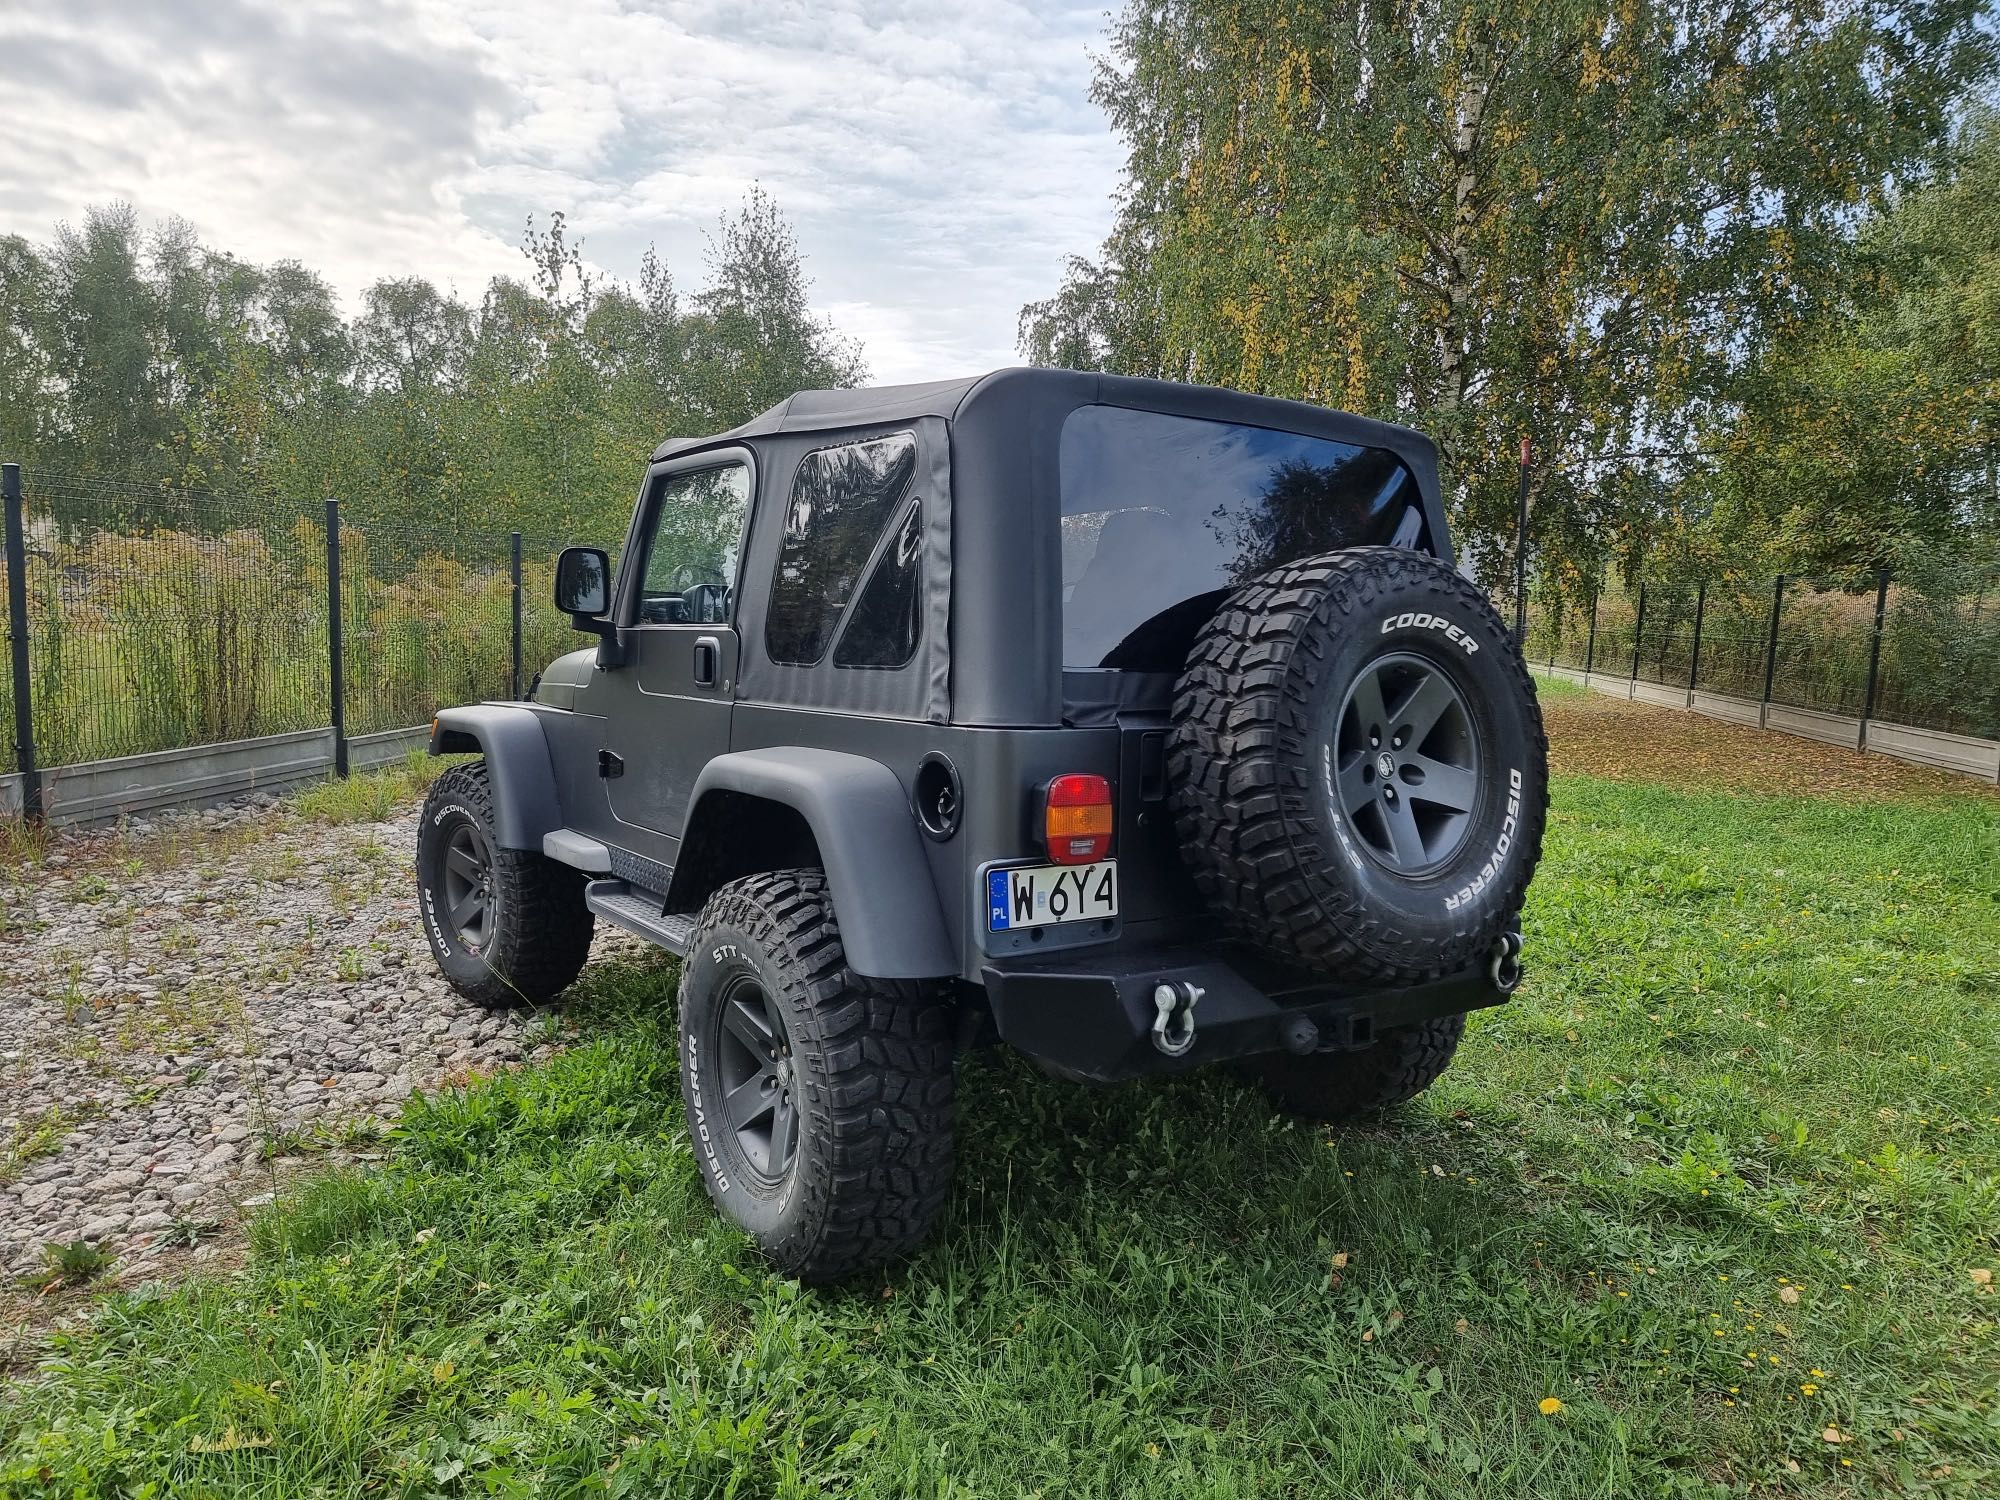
column 1824, row 630
column 1666, row 636
column 1937, row 665
column 426, row 620
column 429, row 622
column 1940, row 664
column 1734, row 623
column 160, row 619
column 166, row 619
column 1617, row 623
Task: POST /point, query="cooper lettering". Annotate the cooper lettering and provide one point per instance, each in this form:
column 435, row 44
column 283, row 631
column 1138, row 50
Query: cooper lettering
column 1423, row 620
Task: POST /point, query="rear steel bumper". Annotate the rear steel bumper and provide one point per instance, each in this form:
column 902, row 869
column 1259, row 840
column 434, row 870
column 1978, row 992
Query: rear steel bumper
column 1095, row 1015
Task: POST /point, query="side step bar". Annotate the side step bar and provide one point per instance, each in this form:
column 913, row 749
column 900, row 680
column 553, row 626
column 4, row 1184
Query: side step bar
column 639, row 912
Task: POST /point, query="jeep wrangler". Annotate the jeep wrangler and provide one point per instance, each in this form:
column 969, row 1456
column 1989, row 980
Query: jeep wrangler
column 1139, row 726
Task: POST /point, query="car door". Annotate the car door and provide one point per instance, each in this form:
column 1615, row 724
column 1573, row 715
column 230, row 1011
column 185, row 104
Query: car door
column 668, row 708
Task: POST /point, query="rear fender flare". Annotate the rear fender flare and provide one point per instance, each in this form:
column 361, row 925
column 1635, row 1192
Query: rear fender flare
column 884, row 899
column 518, row 769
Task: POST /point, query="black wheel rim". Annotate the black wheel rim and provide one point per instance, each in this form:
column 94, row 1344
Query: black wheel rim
column 1405, row 772
column 468, row 886
column 759, row 1087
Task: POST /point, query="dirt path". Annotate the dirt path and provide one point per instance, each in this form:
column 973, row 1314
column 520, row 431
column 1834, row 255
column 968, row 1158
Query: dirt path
column 176, row 1036
column 1594, row 734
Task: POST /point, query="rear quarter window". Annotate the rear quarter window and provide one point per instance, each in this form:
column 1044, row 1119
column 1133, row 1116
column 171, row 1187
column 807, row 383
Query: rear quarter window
column 842, row 498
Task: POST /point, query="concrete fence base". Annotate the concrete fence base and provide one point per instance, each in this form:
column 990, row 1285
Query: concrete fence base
column 103, row 790
column 1925, row 747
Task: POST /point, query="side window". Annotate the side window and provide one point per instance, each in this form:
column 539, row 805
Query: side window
column 841, row 500
column 692, row 549
column 883, row 630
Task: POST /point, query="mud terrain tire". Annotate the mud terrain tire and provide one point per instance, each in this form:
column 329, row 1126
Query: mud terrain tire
column 527, row 931
column 1359, row 767
column 820, row 1103
column 1340, row 1085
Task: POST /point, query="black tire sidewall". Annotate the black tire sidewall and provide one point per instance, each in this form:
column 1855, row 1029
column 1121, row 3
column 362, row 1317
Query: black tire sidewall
column 447, row 808
column 1478, row 888
column 774, row 1214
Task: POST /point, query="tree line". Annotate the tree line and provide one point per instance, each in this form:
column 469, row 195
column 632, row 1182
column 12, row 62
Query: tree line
column 1732, row 268
column 150, row 363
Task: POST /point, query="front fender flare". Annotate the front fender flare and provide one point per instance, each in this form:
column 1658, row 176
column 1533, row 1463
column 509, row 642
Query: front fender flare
column 883, row 896
column 518, row 769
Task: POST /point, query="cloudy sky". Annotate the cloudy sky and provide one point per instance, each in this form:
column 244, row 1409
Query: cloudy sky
column 937, row 157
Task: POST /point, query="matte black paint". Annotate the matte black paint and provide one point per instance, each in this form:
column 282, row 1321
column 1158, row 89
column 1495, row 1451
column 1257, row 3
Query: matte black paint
column 986, row 688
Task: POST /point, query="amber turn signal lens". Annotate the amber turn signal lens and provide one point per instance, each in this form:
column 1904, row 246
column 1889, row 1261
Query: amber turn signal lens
column 1077, row 819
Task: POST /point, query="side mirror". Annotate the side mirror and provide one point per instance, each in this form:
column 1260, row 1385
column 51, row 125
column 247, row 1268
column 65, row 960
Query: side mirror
column 583, row 583
column 583, row 592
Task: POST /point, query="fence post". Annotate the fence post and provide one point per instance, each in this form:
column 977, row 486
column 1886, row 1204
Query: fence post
column 17, row 636
column 1590, row 641
column 1638, row 633
column 514, row 573
column 1694, row 655
column 1771, row 650
column 1874, row 654
column 335, row 668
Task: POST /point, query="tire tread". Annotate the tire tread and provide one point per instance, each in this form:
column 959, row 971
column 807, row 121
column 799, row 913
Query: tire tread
column 1241, row 709
column 547, row 928
column 885, row 1058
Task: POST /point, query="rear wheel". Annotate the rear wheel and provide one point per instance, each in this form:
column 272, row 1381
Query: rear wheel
column 1339, row 1085
column 820, row 1102
column 507, row 926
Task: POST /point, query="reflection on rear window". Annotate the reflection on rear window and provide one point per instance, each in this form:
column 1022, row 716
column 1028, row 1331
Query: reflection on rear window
column 1163, row 513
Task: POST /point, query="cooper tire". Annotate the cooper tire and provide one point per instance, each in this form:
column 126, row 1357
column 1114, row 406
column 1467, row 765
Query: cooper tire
column 1312, row 815
column 1340, row 1085
column 507, row 926
column 820, row 1103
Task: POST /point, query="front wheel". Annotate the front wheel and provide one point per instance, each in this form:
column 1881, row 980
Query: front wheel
column 507, row 926
column 820, row 1102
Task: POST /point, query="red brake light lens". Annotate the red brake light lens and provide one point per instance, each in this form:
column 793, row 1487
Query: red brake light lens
column 1077, row 819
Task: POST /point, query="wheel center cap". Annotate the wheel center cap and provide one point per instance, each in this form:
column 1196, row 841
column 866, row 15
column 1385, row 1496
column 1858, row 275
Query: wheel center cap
column 784, row 1072
column 1385, row 765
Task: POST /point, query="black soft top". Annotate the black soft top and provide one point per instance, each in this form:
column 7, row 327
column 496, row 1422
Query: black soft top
column 987, row 449
column 1012, row 388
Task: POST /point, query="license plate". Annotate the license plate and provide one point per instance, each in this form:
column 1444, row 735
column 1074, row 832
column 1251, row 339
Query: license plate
column 1042, row 895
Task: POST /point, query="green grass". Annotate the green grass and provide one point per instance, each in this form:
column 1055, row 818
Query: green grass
column 1737, row 1138
column 32, row 1139
column 370, row 796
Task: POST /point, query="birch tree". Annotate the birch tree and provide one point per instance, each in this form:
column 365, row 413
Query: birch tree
column 1566, row 219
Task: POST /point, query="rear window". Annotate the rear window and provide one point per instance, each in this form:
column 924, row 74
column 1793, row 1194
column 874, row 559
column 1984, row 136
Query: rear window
column 1161, row 514
column 841, row 501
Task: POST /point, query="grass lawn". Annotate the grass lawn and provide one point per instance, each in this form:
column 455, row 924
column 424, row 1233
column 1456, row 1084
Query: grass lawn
column 1723, row 1181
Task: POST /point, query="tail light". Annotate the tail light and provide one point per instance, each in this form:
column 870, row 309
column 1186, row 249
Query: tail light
column 1077, row 820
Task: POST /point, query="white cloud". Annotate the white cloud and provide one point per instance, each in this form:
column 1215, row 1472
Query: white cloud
column 938, row 160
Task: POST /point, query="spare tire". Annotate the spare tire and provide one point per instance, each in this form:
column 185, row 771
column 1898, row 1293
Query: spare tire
column 1359, row 768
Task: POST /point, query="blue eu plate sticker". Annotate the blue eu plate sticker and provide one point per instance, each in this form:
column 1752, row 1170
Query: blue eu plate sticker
column 996, row 900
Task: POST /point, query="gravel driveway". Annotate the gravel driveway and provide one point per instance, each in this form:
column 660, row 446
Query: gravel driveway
column 184, row 1011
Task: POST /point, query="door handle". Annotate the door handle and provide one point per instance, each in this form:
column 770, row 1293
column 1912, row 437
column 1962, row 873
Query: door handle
column 707, row 660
